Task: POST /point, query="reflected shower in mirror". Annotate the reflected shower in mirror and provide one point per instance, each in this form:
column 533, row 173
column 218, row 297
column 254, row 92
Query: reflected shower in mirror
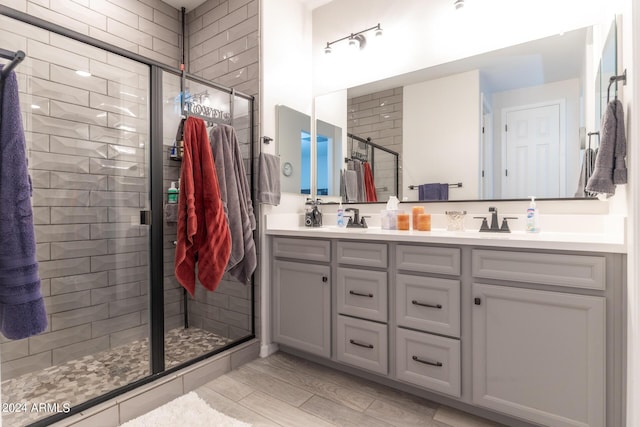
column 506, row 124
column 293, row 144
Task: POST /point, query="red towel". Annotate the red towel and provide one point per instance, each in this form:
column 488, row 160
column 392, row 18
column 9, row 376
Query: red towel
column 369, row 184
column 203, row 231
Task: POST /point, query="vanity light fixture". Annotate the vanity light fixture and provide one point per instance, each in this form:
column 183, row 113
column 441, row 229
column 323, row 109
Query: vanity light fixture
column 356, row 40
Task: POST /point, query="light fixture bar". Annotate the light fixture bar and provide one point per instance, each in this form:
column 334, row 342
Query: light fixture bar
column 354, row 36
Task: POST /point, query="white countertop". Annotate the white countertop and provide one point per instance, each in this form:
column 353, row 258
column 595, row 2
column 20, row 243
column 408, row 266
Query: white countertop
column 590, row 242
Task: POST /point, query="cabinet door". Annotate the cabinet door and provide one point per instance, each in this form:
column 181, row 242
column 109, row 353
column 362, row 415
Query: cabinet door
column 539, row 355
column 302, row 306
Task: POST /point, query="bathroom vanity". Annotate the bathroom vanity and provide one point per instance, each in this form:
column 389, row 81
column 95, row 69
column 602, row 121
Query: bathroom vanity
column 530, row 327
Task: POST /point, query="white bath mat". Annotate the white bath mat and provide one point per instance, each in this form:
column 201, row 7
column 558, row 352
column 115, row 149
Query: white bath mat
column 188, row 410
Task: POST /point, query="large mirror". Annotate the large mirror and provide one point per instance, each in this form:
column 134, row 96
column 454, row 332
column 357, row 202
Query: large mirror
column 506, row 124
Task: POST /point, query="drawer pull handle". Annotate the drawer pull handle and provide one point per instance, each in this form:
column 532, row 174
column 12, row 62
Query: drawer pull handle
column 360, row 344
column 424, row 304
column 360, row 294
column 426, row 362
column 325, row 279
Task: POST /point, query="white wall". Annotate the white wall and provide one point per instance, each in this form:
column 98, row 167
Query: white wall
column 286, row 61
column 421, row 34
column 441, row 124
column 286, row 79
column 567, row 90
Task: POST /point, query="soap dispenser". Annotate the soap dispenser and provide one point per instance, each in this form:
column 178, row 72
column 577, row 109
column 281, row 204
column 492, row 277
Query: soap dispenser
column 316, row 217
column 532, row 217
column 340, row 221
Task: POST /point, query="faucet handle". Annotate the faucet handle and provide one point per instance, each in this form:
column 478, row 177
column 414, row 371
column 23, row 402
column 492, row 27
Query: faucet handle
column 484, row 226
column 505, row 225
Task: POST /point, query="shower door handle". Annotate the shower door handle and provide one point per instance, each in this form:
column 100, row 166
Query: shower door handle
column 145, row 217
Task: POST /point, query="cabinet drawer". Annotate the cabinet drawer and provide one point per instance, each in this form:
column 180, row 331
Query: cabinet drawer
column 362, row 293
column 428, row 259
column 577, row 271
column 428, row 361
column 312, row 250
column 363, row 344
column 365, row 254
column 428, row 303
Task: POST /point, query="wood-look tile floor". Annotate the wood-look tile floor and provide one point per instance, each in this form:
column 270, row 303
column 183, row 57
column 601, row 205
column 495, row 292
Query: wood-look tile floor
column 284, row 390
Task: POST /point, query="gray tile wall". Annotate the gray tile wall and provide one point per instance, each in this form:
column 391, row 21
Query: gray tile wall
column 89, row 174
column 86, row 141
column 224, row 46
column 147, row 27
column 379, row 116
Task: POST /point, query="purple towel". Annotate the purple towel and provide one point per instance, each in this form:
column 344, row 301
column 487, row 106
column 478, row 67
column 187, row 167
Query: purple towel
column 433, row 191
column 22, row 310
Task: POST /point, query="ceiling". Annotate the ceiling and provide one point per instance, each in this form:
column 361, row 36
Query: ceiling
column 189, row 5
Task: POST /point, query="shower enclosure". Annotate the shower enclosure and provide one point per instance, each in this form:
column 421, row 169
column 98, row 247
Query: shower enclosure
column 100, row 125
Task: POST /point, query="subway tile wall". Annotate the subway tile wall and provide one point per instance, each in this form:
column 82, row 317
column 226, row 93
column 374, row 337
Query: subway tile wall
column 223, row 46
column 88, row 171
column 150, row 28
column 86, row 140
column 379, row 116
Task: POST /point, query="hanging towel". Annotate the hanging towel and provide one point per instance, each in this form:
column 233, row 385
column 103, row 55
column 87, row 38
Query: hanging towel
column 610, row 166
column 351, row 185
column 236, row 198
column 203, row 232
column 22, row 310
column 588, row 163
column 269, row 179
column 369, row 183
column 433, row 191
column 171, row 213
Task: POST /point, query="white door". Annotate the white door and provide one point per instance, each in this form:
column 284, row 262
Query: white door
column 486, row 153
column 532, row 152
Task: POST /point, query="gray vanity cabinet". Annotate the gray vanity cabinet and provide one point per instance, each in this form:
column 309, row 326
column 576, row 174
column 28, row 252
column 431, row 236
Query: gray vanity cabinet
column 540, row 355
column 534, row 335
column 362, row 290
column 425, row 306
column 302, row 295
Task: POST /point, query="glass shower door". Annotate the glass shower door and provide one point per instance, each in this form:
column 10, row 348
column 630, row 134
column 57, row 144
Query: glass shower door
column 208, row 321
column 86, row 120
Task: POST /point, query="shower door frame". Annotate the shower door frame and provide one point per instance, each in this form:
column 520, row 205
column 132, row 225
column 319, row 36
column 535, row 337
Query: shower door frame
column 156, row 264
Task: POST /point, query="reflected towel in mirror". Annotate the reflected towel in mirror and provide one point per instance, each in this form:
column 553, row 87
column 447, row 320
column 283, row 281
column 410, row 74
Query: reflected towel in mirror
column 433, row 191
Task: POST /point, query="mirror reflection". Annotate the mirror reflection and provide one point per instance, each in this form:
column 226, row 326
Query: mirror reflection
column 506, row 124
column 293, row 145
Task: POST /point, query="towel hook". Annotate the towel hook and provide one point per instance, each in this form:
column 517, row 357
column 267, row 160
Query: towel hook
column 615, row 79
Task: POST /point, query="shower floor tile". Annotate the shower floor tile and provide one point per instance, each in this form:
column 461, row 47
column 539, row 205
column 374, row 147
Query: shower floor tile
column 79, row 380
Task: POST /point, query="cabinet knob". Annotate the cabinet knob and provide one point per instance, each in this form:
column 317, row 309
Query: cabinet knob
column 476, row 301
column 325, row 279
